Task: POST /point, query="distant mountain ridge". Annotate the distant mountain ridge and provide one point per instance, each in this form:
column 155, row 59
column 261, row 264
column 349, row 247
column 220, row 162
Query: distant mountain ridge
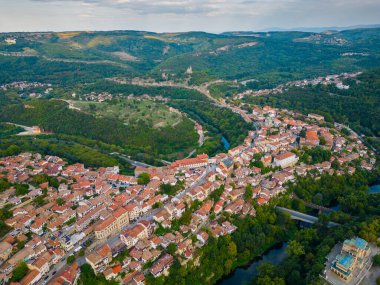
column 270, row 58
column 309, row 29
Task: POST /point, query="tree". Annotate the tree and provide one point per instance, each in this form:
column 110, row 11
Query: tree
column 266, row 280
column 143, row 179
column 60, row 201
column 376, row 260
column 157, row 205
column 39, row 201
column 294, row 278
column 168, row 189
column 13, row 150
column 248, row 192
column 228, row 265
column 21, row 189
column 267, row 275
column 295, row 248
column 71, row 259
column 232, row 249
column 20, row 272
column 172, row 248
column 335, row 164
column 81, row 252
column 4, row 184
column 88, row 276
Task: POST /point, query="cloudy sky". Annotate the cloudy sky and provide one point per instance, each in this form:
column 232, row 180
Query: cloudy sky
column 183, row 15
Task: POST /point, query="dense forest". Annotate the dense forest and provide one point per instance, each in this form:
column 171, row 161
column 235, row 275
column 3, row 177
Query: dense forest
column 58, row 72
column 7, row 130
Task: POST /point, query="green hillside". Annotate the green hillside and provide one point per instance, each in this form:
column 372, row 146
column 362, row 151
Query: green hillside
column 271, row 58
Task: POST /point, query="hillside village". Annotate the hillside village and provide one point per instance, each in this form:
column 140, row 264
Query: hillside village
column 334, row 79
column 126, row 227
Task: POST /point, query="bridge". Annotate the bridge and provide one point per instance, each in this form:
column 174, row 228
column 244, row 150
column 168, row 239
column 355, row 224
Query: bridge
column 303, row 217
column 313, row 206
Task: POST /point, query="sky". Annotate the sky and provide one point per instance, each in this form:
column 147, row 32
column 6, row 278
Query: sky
column 183, row 15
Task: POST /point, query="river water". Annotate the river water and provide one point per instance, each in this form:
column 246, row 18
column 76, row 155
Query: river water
column 245, row 274
column 225, row 142
column 375, row 189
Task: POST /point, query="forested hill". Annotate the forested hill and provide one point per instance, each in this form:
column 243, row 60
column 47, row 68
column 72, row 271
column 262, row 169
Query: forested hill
column 270, row 58
column 136, row 139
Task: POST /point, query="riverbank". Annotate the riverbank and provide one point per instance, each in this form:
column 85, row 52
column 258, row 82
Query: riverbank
column 245, row 274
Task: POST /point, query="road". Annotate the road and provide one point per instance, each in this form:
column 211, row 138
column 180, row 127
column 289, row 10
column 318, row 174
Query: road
column 132, row 162
column 29, row 131
column 60, row 266
column 71, row 104
column 359, row 136
column 200, row 88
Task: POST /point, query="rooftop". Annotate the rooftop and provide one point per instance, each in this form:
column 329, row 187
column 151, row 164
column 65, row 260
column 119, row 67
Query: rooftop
column 345, row 260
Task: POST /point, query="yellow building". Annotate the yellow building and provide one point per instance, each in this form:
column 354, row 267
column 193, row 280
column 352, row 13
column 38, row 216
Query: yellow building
column 113, row 224
column 352, row 256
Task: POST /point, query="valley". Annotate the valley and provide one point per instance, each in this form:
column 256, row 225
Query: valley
column 132, row 157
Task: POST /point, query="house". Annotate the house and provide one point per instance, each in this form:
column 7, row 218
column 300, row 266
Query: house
column 70, row 276
column 37, row 226
column 161, row 265
column 31, row 278
column 202, row 237
column 316, row 117
column 191, row 163
column 266, row 160
column 10, row 41
column 284, row 160
column 105, row 228
column 5, row 250
column 131, row 236
column 42, row 263
column 311, row 139
column 133, row 211
column 100, row 258
column 352, row 256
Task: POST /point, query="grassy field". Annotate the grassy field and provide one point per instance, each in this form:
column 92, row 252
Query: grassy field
column 154, row 114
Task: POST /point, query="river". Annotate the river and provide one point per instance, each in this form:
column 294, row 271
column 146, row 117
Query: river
column 225, row 142
column 245, row 274
column 375, row 189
